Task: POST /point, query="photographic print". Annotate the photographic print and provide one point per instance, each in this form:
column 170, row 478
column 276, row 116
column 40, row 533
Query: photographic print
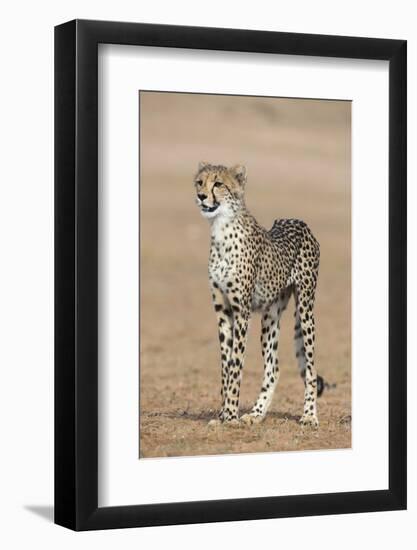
column 245, row 274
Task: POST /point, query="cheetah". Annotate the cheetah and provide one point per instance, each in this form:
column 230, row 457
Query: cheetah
column 252, row 269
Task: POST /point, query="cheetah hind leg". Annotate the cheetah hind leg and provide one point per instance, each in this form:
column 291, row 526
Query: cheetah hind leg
column 304, row 337
column 300, row 355
column 269, row 345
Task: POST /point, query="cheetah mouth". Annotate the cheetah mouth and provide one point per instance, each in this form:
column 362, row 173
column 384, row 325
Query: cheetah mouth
column 209, row 208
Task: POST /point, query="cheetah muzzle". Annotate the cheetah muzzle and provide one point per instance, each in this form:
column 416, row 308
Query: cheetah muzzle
column 209, row 208
column 255, row 269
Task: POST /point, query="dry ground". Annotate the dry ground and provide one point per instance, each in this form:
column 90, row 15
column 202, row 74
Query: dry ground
column 298, row 159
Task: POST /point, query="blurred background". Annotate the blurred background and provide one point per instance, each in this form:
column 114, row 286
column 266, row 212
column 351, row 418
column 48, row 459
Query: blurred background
column 298, row 156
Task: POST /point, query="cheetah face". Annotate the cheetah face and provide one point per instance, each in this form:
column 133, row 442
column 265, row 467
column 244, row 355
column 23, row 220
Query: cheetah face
column 219, row 189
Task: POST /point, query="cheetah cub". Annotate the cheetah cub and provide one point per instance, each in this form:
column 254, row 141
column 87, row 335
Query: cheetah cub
column 254, row 269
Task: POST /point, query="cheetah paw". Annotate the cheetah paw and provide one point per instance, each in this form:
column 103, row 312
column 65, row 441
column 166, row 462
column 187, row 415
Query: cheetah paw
column 309, row 420
column 250, row 419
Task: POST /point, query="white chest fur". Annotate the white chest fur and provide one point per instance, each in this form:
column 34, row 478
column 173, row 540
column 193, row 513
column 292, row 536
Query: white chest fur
column 222, row 264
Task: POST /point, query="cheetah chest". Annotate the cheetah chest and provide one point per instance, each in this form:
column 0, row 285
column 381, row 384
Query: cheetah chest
column 222, row 267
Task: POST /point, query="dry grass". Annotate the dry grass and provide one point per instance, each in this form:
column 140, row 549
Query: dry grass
column 298, row 159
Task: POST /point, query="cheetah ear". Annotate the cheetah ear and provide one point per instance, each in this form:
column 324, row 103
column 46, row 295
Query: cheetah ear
column 202, row 164
column 239, row 173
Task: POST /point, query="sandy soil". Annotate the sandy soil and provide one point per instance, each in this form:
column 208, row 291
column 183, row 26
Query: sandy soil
column 298, row 157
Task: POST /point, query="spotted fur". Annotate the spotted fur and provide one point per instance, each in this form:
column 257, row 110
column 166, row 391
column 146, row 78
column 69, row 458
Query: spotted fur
column 255, row 269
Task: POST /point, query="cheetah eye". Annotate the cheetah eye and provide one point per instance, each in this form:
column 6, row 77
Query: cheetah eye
column 217, row 184
column 199, row 182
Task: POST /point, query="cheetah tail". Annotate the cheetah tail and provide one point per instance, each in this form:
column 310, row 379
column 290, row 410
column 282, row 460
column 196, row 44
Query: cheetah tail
column 323, row 385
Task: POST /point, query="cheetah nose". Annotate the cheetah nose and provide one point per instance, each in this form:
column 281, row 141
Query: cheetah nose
column 201, row 196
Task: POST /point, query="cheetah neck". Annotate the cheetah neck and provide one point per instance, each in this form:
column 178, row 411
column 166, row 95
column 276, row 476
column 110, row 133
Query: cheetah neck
column 224, row 218
column 229, row 219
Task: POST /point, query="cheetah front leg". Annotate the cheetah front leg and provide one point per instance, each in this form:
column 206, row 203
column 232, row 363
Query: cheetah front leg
column 224, row 322
column 240, row 329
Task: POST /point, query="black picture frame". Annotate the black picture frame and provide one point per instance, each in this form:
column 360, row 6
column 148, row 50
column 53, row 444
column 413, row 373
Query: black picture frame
column 76, row 273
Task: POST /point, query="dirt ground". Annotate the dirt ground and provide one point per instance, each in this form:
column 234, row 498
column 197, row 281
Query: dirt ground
column 297, row 153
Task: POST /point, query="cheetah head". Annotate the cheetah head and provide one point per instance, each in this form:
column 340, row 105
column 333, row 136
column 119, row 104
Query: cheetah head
column 220, row 190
